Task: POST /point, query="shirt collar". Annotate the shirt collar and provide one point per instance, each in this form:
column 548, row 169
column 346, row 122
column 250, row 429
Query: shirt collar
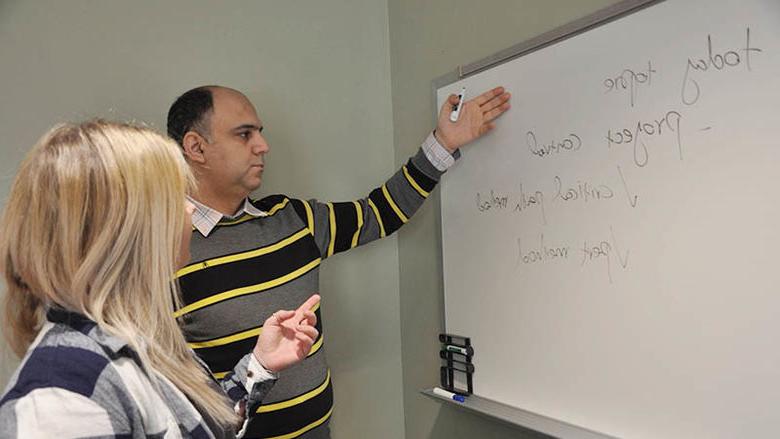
column 204, row 218
column 84, row 325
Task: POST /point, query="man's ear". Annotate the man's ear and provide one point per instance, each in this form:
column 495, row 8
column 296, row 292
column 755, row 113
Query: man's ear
column 193, row 144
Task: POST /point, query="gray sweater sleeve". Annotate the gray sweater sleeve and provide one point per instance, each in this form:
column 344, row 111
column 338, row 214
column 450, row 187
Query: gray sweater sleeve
column 340, row 226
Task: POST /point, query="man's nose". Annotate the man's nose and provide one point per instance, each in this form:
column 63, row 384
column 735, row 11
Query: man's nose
column 260, row 146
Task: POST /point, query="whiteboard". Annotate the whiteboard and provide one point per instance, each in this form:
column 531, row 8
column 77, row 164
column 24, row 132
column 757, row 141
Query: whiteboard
column 612, row 247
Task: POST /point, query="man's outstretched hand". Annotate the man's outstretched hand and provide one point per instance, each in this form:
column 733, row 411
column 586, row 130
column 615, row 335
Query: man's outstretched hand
column 476, row 118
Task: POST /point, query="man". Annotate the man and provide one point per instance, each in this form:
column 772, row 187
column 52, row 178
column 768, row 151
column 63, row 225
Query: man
column 253, row 257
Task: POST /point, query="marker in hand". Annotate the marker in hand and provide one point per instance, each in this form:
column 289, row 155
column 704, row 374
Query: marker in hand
column 456, row 108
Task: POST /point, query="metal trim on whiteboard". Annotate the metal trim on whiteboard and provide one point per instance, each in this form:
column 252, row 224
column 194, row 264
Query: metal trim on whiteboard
column 571, row 29
column 519, row 417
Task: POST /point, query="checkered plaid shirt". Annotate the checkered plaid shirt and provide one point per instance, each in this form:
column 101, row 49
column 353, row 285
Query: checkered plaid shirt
column 77, row 381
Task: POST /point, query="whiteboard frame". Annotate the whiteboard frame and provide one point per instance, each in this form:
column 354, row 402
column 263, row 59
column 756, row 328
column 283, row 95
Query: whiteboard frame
column 557, row 35
column 518, row 417
column 493, row 409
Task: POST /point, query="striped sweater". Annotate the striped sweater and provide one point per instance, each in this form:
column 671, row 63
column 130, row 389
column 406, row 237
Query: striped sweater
column 251, row 266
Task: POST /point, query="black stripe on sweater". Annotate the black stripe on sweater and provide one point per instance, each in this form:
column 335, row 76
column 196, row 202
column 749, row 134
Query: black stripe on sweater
column 425, row 182
column 346, row 225
column 389, row 218
column 216, row 279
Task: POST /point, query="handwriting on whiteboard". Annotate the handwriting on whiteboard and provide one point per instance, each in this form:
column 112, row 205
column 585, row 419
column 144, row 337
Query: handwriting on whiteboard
column 628, row 147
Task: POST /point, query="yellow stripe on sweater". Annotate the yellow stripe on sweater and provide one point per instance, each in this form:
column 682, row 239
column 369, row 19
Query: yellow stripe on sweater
column 414, row 184
column 309, row 216
column 378, row 218
column 298, row 399
column 359, row 213
column 332, row 220
column 390, row 200
column 303, row 430
column 248, row 289
column 244, row 255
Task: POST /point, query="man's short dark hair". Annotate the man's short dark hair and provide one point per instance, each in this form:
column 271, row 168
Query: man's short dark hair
column 191, row 112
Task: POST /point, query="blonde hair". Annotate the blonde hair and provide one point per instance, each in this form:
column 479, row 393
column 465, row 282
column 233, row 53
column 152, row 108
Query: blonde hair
column 94, row 225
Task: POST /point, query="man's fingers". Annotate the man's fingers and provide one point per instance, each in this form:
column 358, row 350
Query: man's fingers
column 488, row 95
column 494, row 113
column 495, row 102
column 448, row 106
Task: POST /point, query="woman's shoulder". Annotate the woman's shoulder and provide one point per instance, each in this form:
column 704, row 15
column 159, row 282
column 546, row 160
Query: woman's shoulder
column 67, row 383
column 61, row 358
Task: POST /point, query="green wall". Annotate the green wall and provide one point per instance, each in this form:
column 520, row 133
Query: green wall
column 344, row 89
column 429, row 39
column 319, row 74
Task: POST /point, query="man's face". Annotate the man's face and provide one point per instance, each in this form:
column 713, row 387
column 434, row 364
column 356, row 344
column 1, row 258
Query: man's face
column 235, row 150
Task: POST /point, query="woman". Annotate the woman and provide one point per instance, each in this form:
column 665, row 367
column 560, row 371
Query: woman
column 95, row 226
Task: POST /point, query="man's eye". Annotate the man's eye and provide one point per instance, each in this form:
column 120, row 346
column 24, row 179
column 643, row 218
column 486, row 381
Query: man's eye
column 245, row 135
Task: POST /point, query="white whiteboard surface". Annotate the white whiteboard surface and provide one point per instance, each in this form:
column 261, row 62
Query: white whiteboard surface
column 630, row 286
